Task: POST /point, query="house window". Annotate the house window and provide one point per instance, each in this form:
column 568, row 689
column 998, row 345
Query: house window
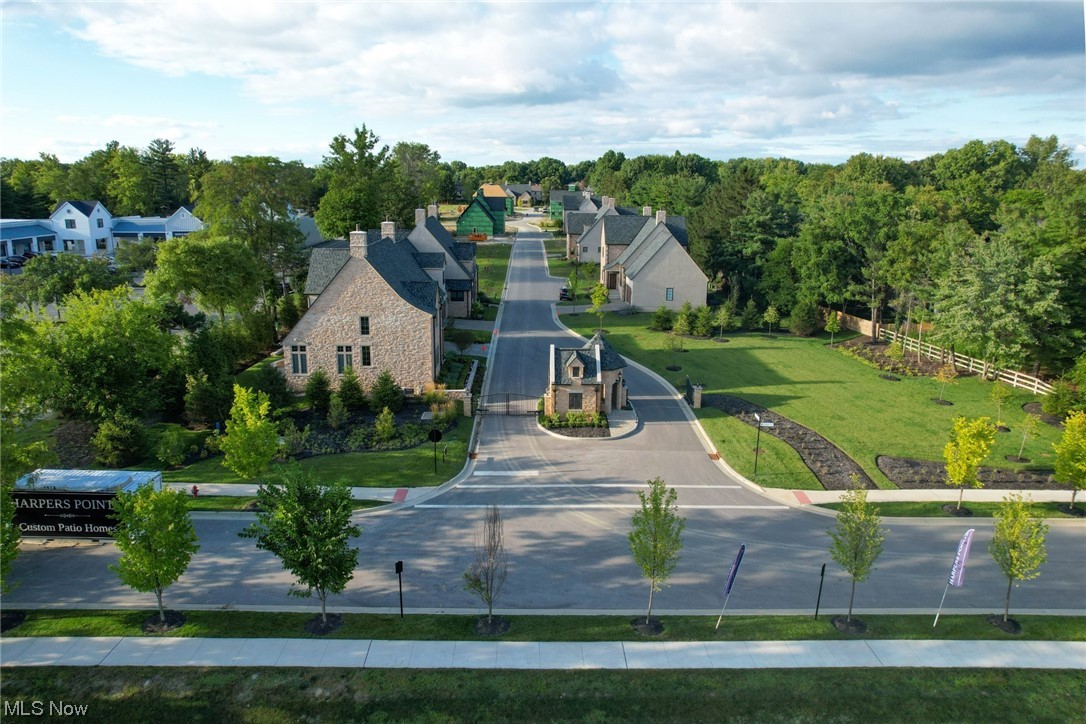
column 101, row 223
column 364, row 353
column 69, row 223
column 669, row 294
column 584, row 249
column 574, row 371
column 456, row 295
column 344, row 358
column 575, row 402
column 299, row 365
column 364, row 326
column 100, row 244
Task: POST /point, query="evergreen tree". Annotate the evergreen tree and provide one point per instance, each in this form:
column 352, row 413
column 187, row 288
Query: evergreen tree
column 386, row 393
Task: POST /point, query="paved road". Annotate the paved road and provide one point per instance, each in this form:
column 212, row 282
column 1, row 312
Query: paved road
column 566, row 506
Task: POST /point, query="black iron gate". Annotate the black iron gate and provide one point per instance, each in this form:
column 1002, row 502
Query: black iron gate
column 506, row 403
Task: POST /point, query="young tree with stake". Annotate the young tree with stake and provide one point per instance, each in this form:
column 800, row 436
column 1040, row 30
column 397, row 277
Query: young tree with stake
column 1018, row 544
column 971, row 441
column 1000, row 395
column 1071, row 454
column 857, row 538
column 656, row 537
column 307, row 525
column 599, row 300
column 156, row 540
column 833, row 324
column 486, row 575
column 1029, row 428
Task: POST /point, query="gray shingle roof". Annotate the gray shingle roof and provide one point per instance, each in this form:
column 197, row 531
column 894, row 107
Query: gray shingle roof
column 458, row 285
column 622, row 230
column 586, row 355
column 495, row 203
column 637, row 255
column 609, row 358
column 464, row 251
column 395, row 261
column 430, row 260
column 578, row 221
column 83, row 207
column 324, row 264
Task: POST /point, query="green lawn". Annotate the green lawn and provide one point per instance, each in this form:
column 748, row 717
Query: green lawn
column 247, row 694
column 419, row 627
column 493, row 261
column 392, row 469
column 807, row 381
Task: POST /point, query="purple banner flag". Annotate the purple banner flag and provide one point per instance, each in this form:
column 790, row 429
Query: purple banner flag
column 733, row 571
column 957, row 571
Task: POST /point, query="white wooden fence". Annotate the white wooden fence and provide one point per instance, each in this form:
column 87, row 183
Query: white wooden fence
column 1011, row 377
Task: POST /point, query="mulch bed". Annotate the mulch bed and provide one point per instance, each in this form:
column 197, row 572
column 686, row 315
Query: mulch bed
column 875, row 353
column 1010, row 626
column 487, row 626
column 652, row 627
column 923, row 474
column 321, row 627
column 581, row 431
column 833, row 468
column 1034, row 408
column 154, row 625
column 854, row 626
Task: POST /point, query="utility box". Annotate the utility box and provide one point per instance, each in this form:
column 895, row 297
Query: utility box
column 74, row 503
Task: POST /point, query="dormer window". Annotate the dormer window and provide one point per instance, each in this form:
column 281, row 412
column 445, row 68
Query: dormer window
column 574, row 371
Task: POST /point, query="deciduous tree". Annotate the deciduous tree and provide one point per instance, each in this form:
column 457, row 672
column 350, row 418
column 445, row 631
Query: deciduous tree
column 656, row 536
column 857, row 538
column 1071, row 454
column 969, row 445
column 486, row 575
column 156, row 539
column 1018, row 543
column 251, row 439
column 599, row 300
column 307, row 525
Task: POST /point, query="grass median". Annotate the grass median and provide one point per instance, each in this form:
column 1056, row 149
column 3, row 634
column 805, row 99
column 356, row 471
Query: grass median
column 420, row 627
column 247, row 694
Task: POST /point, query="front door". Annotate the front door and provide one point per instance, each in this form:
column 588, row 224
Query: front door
column 612, row 280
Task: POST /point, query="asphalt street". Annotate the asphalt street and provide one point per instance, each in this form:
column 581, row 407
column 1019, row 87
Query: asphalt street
column 566, row 507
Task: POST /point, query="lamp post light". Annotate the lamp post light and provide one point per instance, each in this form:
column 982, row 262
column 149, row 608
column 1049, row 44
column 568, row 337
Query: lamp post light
column 758, row 440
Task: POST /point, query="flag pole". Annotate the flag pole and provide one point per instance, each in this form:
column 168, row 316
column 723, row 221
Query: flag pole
column 721, row 616
column 941, row 605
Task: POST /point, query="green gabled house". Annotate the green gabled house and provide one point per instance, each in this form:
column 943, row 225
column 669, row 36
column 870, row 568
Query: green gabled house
column 480, row 218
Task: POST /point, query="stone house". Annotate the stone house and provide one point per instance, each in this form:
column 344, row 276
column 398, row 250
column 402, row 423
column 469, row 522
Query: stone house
column 459, row 274
column 585, row 379
column 377, row 304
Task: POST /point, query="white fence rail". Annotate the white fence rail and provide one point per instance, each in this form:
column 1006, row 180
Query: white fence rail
column 1011, row 377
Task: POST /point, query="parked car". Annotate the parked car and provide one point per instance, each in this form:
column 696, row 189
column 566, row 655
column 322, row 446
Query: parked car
column 28, row 255
column 564, row 295
column 11, row 262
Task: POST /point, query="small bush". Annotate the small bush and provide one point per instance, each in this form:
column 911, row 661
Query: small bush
column 1062, row 400
column 703, row 322
column 386, row 393
column 337, row 413
column 662, row 319
column 350, row 391
column 294, row 440
column 318, row 390
column 751, row 319
column 385, row 426
column 359, row 438
column 170, row 451
column 434, row 394
column 119, row 441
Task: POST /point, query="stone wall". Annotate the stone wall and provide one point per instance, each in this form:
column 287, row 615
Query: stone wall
column 401, row 337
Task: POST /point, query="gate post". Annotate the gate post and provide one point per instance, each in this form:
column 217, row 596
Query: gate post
column 467, row 404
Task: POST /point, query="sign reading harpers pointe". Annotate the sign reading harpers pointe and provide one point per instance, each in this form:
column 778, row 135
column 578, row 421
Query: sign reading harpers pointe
column 52, row 514
column 74, row 503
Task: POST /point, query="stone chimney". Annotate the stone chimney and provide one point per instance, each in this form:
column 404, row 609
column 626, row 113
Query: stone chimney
column 420, row 217
column 388, row 230
column 359, row 244
column 431, row 210
column 661, row 216
column 586, row 194
column 609, row 202
column 646, row 211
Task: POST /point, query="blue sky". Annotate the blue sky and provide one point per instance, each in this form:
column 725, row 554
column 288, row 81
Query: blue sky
column 489, row 82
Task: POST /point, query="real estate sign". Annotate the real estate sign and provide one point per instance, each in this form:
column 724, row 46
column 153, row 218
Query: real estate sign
column 73, row 503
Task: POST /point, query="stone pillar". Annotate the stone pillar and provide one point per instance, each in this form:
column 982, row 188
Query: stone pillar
column 696, row 404
column 467, row 404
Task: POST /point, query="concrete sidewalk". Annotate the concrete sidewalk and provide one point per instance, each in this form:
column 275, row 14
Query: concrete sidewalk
column 166, row 651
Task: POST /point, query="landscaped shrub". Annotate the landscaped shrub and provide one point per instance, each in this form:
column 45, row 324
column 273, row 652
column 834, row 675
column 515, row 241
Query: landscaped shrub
column 294, row 440
column 269, row 381
column 350, row 391
column 386, row 393
column 805, row 318
column 662, row 319
column 385, row 426
column 337, row 413
column 318, row 390
column 207, row 401
column 359, row 437
column 1062, row 400
column 751, row 318
column 703, row 322
column 170, row 451
column 119, row 441
column 434, row 394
